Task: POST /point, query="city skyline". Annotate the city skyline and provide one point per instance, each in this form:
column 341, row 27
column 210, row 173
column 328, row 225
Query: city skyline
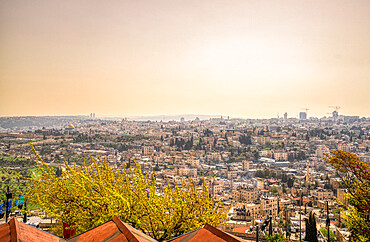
column 247, row 59
column 189, row 117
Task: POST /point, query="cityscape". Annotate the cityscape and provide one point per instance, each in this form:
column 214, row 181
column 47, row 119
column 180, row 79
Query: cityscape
column 256, row 167
column 185, row 121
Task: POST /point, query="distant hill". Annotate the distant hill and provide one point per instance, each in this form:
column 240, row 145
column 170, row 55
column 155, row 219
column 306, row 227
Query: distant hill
column 187, row 117
column 37, row 122
column 24, row 123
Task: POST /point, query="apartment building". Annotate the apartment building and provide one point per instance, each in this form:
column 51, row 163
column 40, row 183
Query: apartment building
column 245, row 194
column 263, row 140
column 322, row 194
column 214, row 187
column 280, row 155
column 245, row 165
column 250, row 211
column 321, row 150
column 147, row 150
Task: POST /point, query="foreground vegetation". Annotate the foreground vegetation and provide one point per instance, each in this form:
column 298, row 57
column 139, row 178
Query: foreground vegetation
column 13, row 171
column 356, row 176
column 88, row 196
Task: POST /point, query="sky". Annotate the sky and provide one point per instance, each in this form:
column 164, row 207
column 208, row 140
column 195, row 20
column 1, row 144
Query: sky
column 242, row 58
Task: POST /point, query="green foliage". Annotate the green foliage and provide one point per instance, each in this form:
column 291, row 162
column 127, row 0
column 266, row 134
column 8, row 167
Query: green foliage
column 324, row 232
column 290, row 182
column 276, row 238
column 12, row 178
column 311, row 229
column 120, row 146
column 91, row 195
column 256, row 155
column 355, row 175
column 281, row 224
column 245, row 139
column 266, row 173
column 271, row 173
column 11, row 161
column 259, row 173
column 273, row 190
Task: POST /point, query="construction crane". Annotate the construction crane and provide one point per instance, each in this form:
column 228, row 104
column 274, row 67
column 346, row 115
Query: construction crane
column 306, row 109
column 335, row 107
column 335, row 113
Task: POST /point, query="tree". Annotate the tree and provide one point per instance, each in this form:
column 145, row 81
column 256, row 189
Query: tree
column 328, row 186
column 275, row 238
column 273, row 190
column 256, row 155
column 311, row 229
column 284, row 177
column 245, row 139
column 355, row 175
column 290, row 182
column 283, row 188
column 91, row 195
column 259, row 173
column 324, row 232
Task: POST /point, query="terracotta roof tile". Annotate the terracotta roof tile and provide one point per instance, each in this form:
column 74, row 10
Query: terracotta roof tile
column 241, row 229
column 16, row 231
column 5, row 232
column 114, row 230
column 207, row 234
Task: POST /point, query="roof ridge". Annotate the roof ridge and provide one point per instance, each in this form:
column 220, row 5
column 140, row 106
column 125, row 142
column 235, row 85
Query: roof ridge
column 220, row 233
column 184, row 235
column 123, row 228
column 13, row 225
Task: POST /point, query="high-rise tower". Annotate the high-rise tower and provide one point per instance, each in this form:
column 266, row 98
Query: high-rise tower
column 302, row 115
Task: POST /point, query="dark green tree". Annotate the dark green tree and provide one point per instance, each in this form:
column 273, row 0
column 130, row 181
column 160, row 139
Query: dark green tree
column 256, row 155
column 259, row 173
column 245, row 139
column 311, row 230
column 290, row 182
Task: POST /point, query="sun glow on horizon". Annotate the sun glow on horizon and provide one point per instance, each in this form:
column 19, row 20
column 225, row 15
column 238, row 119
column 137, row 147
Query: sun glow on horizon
column 240, row 58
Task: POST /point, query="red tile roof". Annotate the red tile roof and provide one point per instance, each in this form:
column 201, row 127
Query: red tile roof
column 17, row 231
column 305, row 200
column 207, row 234
column 114, row 230
column 241, row 229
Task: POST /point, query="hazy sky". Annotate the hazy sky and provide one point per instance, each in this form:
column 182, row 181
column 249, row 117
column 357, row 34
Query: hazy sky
column 239, row 58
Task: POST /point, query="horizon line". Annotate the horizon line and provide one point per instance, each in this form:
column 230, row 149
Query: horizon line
column 167, row 115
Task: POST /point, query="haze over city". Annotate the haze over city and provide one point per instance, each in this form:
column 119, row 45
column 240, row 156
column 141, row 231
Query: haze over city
column 185, row 120
column 239, row 58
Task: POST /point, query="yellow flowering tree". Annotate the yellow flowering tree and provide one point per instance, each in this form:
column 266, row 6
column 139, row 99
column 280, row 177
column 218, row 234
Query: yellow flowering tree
column 355, row 175
column 90, row 195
